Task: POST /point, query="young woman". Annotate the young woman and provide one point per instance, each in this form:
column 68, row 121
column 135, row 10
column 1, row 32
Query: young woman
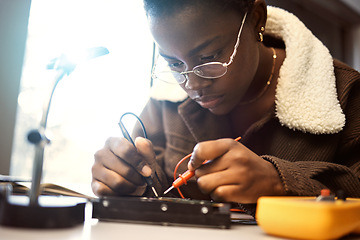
column 247, row 70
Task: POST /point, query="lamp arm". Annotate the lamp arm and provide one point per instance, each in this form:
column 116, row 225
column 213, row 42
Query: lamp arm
column 40, row 140
column 63, row 67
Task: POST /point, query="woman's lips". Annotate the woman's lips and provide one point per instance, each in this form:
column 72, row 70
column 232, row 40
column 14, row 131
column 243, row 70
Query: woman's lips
column 209, row 101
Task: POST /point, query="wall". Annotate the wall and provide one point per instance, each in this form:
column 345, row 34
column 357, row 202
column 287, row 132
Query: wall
column 354, row 52
column 14, row 16
column 336, row 23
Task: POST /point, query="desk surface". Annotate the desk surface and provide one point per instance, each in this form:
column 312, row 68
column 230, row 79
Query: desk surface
column 92, row 229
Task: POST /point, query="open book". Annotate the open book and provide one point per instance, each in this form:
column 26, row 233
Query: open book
column 22, row 187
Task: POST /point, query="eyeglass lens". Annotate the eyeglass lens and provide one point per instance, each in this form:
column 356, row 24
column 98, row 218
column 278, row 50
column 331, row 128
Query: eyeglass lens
column 207, row 70
column 210, row 70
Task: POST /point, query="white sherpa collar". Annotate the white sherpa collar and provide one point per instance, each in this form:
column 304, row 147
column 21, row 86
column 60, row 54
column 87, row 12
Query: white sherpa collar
column 306, row 98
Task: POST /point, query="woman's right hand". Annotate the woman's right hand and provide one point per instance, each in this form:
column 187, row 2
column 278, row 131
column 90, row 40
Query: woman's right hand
column 120, row 168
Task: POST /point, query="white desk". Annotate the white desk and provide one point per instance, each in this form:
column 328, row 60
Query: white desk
column 92, row 229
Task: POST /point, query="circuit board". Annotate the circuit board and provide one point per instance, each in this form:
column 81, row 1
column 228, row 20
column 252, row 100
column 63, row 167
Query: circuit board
column 163, row 211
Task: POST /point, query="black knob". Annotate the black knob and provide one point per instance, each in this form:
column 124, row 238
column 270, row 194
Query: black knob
column 34, row 137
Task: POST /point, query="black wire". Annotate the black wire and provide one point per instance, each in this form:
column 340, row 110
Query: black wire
column 149, row 181
column 125, row 132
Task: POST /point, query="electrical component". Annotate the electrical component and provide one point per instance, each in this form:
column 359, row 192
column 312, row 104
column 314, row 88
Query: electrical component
column 323, row 217
column 163, row 211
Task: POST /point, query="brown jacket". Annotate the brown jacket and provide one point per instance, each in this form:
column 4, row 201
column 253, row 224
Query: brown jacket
column 305, row 162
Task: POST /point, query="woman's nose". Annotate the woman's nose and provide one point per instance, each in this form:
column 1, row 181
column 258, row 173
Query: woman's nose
column 194, row 82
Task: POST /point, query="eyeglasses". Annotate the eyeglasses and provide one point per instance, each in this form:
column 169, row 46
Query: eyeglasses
column 208, row 70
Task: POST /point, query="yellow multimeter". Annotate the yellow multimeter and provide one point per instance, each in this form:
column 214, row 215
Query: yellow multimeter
column 308, row 217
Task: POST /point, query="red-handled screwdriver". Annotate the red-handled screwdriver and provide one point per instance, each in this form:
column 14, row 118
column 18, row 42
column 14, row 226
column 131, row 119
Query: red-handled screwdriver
column 183, row 178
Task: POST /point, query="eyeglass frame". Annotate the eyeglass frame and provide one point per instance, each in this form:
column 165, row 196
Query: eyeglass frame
column 185, row 73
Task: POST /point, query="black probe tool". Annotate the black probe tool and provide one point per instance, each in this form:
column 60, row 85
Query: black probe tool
column 126, row 135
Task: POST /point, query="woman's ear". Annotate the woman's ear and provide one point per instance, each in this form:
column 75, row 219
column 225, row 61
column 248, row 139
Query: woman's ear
column 258, row 19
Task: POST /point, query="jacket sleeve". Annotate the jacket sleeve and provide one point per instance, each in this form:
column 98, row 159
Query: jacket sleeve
column 308, row 178
column 342, row 172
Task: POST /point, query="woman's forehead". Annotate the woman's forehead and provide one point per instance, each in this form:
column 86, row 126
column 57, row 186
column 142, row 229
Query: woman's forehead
column 191, row 28
column 192, row 13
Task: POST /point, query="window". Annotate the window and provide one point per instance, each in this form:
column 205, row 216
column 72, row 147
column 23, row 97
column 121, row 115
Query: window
column 87, row 104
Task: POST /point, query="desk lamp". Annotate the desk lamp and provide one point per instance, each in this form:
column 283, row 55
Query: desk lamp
column 35, row 211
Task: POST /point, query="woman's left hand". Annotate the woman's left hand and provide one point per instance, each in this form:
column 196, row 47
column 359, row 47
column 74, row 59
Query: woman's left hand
column 234, row 173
